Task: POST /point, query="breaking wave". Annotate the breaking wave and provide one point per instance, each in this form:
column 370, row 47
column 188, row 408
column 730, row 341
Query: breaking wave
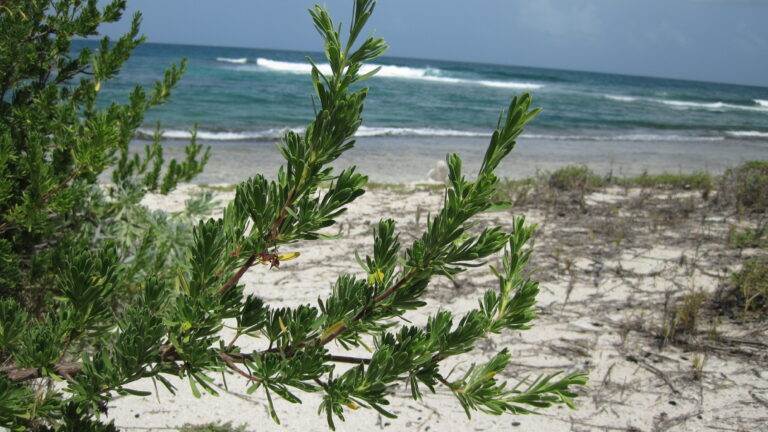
column 392, row 71
column 241, row 60
column 760, row 105
column 747, row 134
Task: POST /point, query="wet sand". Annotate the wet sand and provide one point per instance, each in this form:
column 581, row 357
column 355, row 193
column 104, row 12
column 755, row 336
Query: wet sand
column 409, row 159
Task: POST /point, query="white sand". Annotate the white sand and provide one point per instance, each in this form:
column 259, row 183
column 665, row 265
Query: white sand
column 634, row 386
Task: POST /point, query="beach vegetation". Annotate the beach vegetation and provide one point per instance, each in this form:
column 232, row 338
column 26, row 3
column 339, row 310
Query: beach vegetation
column 685, row 316
column 93, row 301
column 749, row 237
column 699, row 180
column 746, row 187
column 575, row 178
column 750, row 285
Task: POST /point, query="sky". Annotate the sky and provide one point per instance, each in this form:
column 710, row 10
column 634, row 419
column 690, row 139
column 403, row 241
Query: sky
column 708, row 40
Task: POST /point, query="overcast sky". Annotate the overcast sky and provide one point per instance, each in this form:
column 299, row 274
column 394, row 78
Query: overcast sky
column 711, row 40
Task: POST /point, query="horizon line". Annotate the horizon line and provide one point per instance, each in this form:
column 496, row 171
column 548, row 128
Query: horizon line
column 597, row 72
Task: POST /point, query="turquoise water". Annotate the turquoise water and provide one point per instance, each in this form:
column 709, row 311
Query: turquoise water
column 255, row 94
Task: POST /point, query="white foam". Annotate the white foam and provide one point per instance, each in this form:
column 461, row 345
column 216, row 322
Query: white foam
column 620, row 98
column 374, row 131
column 747, row 134
column 392, row 71
column 712, row 106
column 761, row 105
column 267, row 134
column 365, row 131
column 241, row 60
column 627, row 137
column 508, row 84
column 276, row 133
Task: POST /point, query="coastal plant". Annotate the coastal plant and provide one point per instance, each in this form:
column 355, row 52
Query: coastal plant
column 685, row 317
column 745, row 187
column 98, row 331
column 749, row 237
column 578, row 178
column 57, row 138
column 751, row 285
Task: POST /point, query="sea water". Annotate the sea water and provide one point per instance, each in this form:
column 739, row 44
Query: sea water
column 252, row 96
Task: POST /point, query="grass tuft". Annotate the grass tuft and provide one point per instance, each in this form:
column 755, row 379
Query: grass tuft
column 751, row 285
column 575, row 178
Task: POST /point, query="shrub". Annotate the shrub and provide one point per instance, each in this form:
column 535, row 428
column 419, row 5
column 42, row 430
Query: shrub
column 575, row 178
column 700, row 180
column 751, row 284
column 746, row 187
column 99, row 323
column 748, row 237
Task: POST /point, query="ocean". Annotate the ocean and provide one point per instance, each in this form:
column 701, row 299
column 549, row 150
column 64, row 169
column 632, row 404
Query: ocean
column 251, row 96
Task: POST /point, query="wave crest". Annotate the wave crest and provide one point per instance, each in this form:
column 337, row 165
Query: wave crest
column 241, row 60
column 747, row 134
column 277, row 133
column 392, row 71
column 761, row 105
column 274, row 134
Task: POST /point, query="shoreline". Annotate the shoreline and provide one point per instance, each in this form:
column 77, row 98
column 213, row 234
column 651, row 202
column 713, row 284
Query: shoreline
column 405, row 160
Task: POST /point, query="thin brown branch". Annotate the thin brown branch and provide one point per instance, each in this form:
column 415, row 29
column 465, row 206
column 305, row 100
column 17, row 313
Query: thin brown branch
column 230, row 362
column 274, row 232
column 168, row 354
column 347, row 359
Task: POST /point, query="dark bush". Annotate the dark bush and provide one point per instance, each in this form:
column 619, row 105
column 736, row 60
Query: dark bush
column 746, row 187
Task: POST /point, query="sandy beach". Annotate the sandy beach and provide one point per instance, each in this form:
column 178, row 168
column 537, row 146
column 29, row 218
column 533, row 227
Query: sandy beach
column 612, row 268
column 413, row 157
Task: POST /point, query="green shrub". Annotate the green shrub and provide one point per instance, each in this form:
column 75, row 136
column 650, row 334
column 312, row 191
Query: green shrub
column 699, row 180
column 746, row 187
column 90, row 305
column 751, row 285
column 748, row 237
column 575, row 178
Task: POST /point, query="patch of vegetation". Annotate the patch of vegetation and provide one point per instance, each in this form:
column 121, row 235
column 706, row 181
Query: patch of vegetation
column 748, row 237
column 213, row 427
column 746, row 187
column 699, row 180
column 685, row 316
column 751, row 285
column 575, row 178
column 516, row 191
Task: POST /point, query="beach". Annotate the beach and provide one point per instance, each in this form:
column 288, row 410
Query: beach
column 409, row 159
column 615, row 262
column 441, row 217
column 613, row 265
